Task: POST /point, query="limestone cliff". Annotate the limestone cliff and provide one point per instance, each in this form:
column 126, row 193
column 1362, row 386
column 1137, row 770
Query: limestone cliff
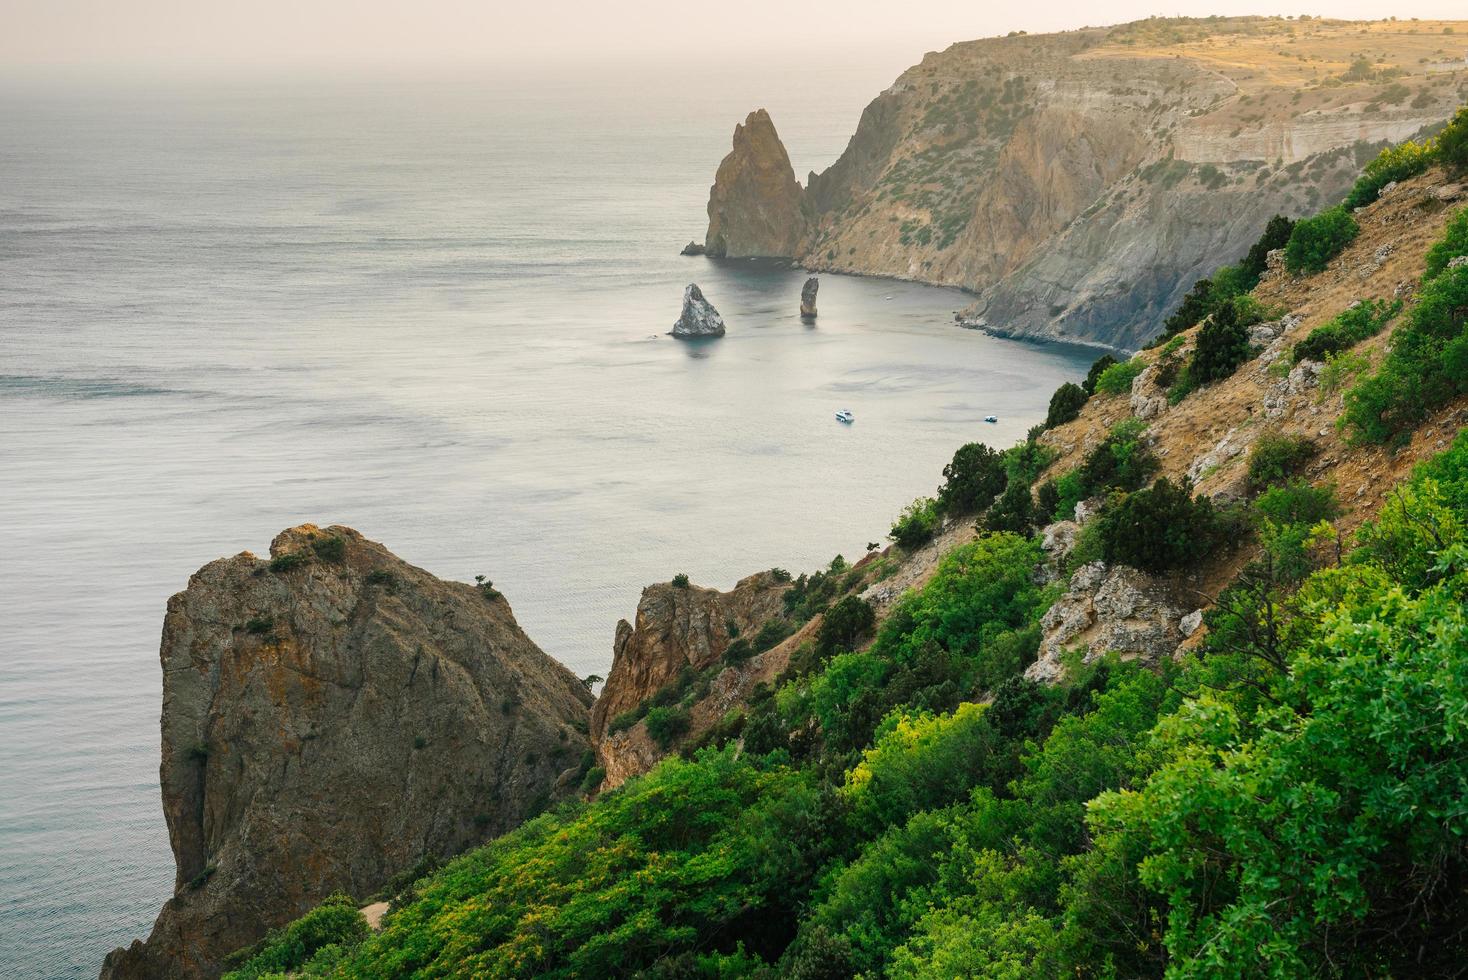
column 1079, row 183
column 332, row 715
column 676, row 627
column 756, row 206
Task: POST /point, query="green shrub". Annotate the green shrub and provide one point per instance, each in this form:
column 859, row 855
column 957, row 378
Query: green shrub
column 1160, row 529
column 335, row 922
column 382, row 577
column 1065, row 404
column 289, row 561
column 974, row 478
column 1014, row 511
column 1276, row 235
column 1347, row 329
column 666, row 725
column 1394, row 163
column 1427, row 366
column 1275, row 458
column 844, row 623
column 1120, row 462
column 1047, row 501
column 1453, row 244
column 1099, row 365
column 260, row 625
column 625, row 720
column 1297, row 502
column 680, row 581
column 738, row 651
column 1223, row 344
column 331, row 548
column 592, row 779
column 1196, row 305
column 771, row 632
column 1452, row 142
column 917, row 524
column 1117, row 379
column 1315, row 241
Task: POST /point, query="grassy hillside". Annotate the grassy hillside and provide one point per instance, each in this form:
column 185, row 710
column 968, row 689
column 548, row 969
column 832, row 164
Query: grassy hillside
column 1284, row 798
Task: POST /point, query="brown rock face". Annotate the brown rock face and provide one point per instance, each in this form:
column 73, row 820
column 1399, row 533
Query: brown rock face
column 327, row 724
column 756, row 206
column 676, row 627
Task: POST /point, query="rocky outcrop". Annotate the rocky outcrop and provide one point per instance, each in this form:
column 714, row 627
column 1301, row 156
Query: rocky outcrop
column 756, row 207
column 808, row 298
column 1109, row 609
column 693, row 248
column 676, row 627
column 331, row 715
column 1080, row 183
column 699, row 318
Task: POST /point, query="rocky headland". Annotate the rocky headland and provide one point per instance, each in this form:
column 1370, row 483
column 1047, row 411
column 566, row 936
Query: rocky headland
column 1079, row 183
column 332, row 716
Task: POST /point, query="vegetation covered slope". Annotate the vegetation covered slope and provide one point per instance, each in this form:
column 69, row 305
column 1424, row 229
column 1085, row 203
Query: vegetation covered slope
column 1284, row 798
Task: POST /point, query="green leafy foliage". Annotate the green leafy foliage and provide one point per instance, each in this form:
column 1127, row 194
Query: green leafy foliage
column 666, row 724
column 1097, row 367
column 1276, row 457
column 1453, row 244
column 917, row 524
column 1223, row 344
column 1427, row 366
column 1394, row 163
column 844, row 623
column 1117, row 379
column 974, row 478
column 1065, row 404
column 1452, row 142
column 1160, row 529
column 315, row 940
column 1315, row 241
column 1347, row 329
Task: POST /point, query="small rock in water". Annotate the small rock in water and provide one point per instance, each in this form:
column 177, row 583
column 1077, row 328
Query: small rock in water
column 699, row 318
column 808, row 298
column 693, row 248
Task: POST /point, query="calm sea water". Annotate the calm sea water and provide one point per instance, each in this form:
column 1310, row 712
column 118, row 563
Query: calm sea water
column 433, row 311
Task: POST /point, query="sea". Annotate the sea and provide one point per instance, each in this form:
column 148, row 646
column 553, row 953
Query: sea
column 434, row 308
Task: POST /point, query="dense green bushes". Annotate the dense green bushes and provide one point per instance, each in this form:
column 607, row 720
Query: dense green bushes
column 1160, row 529
column 975, row 476
column 1223, row 344
column 1285, row 802
column 1347, row 329
column 1395, row 163
column 917, row 524
column 1097, row 368
column 1427, row 366
column 1117, row 379
column 1315, row 241
column 316, row 941
column 1275, row 458
column 1065, row 404
column 1452, row 142
column 1453, row 244
column 847, row 621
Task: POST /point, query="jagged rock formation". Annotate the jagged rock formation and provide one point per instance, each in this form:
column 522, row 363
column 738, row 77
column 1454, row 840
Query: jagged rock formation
column 699, row 318
column 692, row 248
column 808, row 298
column 756, row 206
column 328, row 720
column 1081, row 182
column 1108, row 610
column 676, row 627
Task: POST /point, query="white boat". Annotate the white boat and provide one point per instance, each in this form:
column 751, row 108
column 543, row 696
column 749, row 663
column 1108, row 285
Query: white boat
column 991, row 418
column 845, row 416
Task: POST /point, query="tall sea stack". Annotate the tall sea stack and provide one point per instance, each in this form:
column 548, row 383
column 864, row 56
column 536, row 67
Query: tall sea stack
column 808, row 298
column 756, row 206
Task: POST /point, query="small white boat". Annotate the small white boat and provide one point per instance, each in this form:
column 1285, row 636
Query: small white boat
column 991, row 418
column 845, row 416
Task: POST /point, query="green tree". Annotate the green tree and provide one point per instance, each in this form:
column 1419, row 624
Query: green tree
column 973, row 479
column 1223, row 344
column 1315, row 241
column 1159, row 529
column 1065, row 404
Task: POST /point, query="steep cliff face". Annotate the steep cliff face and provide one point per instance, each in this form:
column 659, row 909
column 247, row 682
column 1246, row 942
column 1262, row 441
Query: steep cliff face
column 756, row 206
column 1079, row 183
column 331, row 716
column 676, row 627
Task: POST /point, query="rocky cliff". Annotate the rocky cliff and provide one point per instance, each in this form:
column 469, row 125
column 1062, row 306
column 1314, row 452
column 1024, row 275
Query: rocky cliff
column 677, row 627
column 756, row 206
column 332, row 715
column 1079, row 183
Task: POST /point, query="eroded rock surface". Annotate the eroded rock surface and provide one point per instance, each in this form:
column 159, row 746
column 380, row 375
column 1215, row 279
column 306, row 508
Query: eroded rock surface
column 675, row 627
column 756, row 206
column 699, row 318
column 328, row 720
column 1108, row 609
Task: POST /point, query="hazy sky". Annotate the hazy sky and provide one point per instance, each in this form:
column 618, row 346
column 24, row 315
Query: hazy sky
column 278, row 34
